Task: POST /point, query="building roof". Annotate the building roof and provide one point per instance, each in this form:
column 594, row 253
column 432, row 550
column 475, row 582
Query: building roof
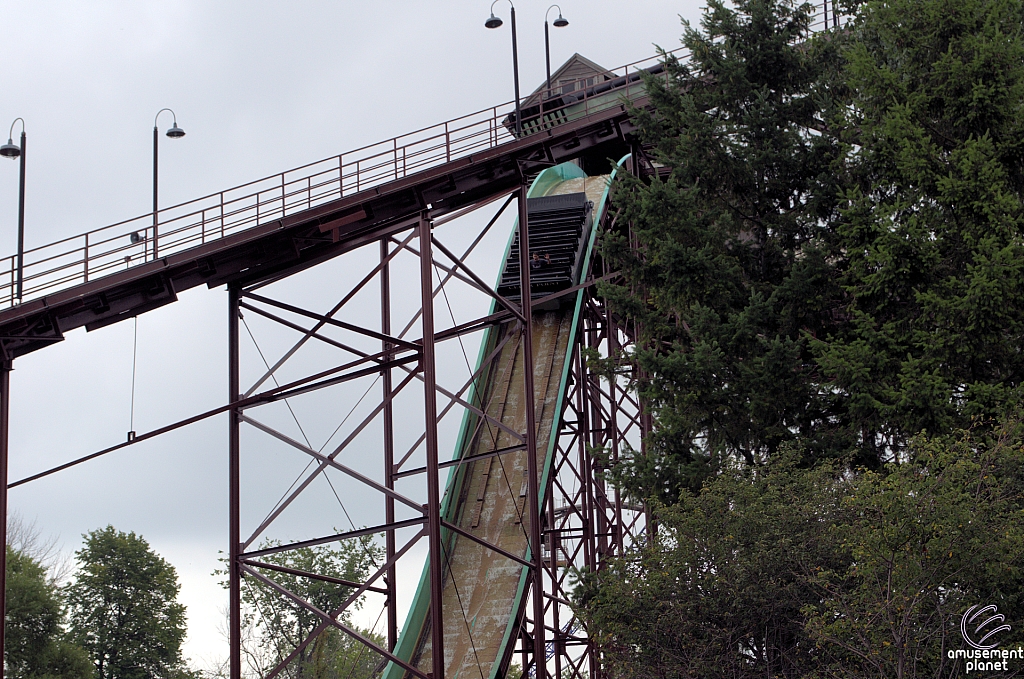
column 575, row 68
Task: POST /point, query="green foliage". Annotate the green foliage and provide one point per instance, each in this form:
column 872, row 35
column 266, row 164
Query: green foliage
column 836, row 256
column 720, row 592
column 276, row 625
column 925, row 540
column 730, row 277
column 791, row 572
column 339, row 656
column 123, row 607
column 34, row 644
column 826, row 286
column 931, row 230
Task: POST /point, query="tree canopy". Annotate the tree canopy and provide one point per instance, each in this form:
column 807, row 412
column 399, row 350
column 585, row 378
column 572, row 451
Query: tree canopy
column 123, row 607
column 787, row 572
column 834, row 257
column 731, row 278
column 35, row 645
column 929, row 245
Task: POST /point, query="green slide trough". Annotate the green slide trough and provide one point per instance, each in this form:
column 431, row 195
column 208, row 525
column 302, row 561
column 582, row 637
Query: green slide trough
column 484, row 593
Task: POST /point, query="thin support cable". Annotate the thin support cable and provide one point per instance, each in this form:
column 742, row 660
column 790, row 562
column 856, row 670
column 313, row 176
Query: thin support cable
column 365, row 549
column 462, row 608
column 363, row 647
column 451, row 313
column 273, row 377
column 135, row 355
column 310, row 463
column 494, row 445
column 269, row 621
column 338, row 428
column 494, row 441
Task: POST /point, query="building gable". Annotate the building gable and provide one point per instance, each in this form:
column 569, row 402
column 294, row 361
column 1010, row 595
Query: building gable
column 577, row 73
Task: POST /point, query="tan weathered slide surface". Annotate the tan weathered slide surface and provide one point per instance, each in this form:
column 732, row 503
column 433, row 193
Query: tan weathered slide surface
column 481, row 587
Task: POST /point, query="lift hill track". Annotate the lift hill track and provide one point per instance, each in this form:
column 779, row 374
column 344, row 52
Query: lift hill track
column 484, row 592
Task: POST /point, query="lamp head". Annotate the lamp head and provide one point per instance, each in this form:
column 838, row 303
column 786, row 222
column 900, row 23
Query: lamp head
column 561, row 21
column 493, row 22
column 9, row 150
column 175, row 132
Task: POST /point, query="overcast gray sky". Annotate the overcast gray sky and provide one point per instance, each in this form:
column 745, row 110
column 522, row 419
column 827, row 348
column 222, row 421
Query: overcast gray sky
column 259, row 86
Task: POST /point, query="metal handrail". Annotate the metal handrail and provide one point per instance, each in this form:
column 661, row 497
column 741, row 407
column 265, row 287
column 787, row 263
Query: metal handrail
column 84, row 257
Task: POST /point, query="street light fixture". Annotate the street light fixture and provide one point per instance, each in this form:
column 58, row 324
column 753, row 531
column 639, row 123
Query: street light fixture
column 495, row 22
column 560, row 22
column 174, row 132
column 9, row 150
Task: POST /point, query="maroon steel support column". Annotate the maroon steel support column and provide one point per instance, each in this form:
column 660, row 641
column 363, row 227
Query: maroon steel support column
column 430, row 433
column 531, row 441
column 234, row 534
column 613, row 423
column 389, row 445
column 5, row 407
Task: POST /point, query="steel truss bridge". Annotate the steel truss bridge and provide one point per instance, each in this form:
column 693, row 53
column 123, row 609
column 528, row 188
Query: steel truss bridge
column 525, row 501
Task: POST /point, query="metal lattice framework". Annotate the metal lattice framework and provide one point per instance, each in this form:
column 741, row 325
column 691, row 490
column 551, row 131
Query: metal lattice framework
column 585, row 521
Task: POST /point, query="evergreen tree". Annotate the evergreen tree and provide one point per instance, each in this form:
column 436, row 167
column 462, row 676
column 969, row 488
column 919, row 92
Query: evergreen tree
column 730, row 275
column 123, row 607
column 931, row 231
column 836, row 255
column 876, row 312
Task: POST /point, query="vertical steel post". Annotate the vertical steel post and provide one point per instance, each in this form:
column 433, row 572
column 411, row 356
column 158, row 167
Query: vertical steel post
column 554, row 541
column 21, row 216
column 547, row 56
column 533, row 490
column 598, row 435
column 613, row 424
column 156, row 136
column 5, row 407
column 582, row 441
column 234, row 534
column 430, row 434
column 389, row 445
column 515, row 74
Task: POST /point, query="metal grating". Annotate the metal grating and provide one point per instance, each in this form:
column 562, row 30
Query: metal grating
column 558, row 229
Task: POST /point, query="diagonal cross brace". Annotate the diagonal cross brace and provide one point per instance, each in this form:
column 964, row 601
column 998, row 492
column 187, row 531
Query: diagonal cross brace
column 352, row 597
column 323, row 465
column 331, row 621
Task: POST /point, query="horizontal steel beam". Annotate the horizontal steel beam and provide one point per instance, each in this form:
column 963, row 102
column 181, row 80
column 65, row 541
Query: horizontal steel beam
column 348, row 535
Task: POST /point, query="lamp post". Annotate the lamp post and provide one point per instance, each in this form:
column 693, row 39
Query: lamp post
column 9, row 150
column 560, row 22
column 495, row 22
column 174, row 132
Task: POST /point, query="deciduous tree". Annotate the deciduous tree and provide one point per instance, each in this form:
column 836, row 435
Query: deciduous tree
column 277, row 626
column 35, row 645
column 785, row 571
column 123, row 607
